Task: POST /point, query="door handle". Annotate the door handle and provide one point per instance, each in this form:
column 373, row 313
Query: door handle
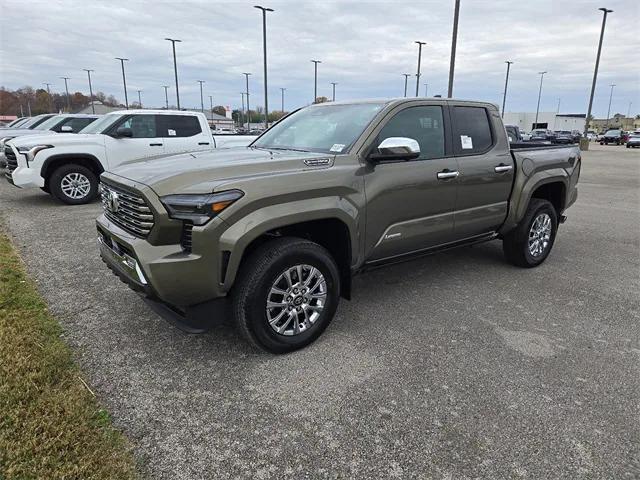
column 203, row 143
column 503, row 168
column 446, row 174
column 155, row 144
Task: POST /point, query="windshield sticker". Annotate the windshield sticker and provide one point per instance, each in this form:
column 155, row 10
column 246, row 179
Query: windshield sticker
column 467, row 142
column 172, row 133
column 337, row 147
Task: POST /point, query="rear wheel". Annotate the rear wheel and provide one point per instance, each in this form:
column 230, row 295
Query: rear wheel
column 529, row 244
column 286, row 294
column 73, row 184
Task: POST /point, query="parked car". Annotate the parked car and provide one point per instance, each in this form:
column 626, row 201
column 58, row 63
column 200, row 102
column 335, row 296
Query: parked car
column 577, row 135
column 614, row 136
column 68, row 166
column 634, row 140
column 563, row 137
column 16, row 123
column 276, row 231
column 591, row 135
column 513, row 133
column 525, row 136
column 542, row 135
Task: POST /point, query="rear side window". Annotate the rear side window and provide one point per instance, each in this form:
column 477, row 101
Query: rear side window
column 179, row 126
column 77, row 124
column 472, row 132
column 142, row 126
column 423, row 124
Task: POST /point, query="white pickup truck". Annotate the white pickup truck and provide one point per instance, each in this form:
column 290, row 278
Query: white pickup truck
column 68, row 165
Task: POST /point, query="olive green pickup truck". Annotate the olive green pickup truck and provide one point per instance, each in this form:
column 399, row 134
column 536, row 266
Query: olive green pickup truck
column 271, row 234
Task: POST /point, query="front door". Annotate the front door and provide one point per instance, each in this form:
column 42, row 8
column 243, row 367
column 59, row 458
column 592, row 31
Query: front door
column 409, row 208
column 143, row 143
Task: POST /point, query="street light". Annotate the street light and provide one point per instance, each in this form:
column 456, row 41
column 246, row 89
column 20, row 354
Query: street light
column 506, row 83
column 49, row 95
column 166, row 95
column 539, row 95
column 140, row 98
column 334, row 91
column 93, row 108
column 454, row 42
column 175, row 67
column 247, row 94
column 264, row 49
column 124, row 81
column 66, row 87
column 211, row 105
column 406, row 78
column 419, row 58
column 595, row 71
column 243, row 114
column 282, row 89
column 315, row 79
column 610, row 98
column 201, row 98
column 426, row 86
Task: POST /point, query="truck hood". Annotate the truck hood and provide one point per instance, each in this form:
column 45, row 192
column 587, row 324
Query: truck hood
column 18, row 132
column 58, row 139
column 203, row 172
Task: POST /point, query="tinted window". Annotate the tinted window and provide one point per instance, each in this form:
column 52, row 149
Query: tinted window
column 423, row 124
column 77, row 124
column 142, row 126
column 179, row 126
column 472, row 133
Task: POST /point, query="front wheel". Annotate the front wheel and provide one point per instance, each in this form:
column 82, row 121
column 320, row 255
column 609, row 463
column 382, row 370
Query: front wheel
column 286, row 294
column 530, row 243
column 73, row 184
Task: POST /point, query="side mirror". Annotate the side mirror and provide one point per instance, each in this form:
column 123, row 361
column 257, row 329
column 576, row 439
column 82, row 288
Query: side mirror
column 66, row 128
column 396, row 148
column 124, row 132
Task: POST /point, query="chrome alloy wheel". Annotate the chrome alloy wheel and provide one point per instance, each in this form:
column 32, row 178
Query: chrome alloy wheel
column 540, row 235
column 296, row 299
column 75, row 185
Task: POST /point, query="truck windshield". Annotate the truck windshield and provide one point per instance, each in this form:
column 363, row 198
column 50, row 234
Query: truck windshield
column 324, row 129
column 101, row 124
column 34, row 121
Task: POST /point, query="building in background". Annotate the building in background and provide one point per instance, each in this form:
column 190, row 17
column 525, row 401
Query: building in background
column 618, row 121
column 216, row 122
column 100, row 107
column 550, row 120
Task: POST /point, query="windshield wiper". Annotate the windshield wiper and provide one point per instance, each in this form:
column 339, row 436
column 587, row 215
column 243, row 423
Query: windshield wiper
column 285, row 148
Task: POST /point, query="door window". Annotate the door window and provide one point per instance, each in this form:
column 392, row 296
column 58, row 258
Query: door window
column 142, row 126
column 179, row 126
column 77, row 124
column 472, row 132
column 423, row 124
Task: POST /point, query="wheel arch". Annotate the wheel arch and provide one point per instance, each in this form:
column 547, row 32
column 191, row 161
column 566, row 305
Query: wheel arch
column 56, row 161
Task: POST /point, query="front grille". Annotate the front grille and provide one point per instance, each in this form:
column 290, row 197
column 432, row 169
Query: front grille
column 126, row 209
column 186, row 238
column 12, row 161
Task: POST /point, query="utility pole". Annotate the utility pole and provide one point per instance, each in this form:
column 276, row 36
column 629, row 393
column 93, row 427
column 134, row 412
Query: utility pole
column 629, row 110
column 175, row 67
column 264, row 49
column 282, row 89
column 610, row 98
column 506, row 84
column 334, row 91
column 248, row 110
column 454, row 42
column 420, row 44
column 51, row 103
column 93, row 108
column 166, row 95
column 201, row 97
column 558, row 108
column 595, row 71
column 315, row 79
column 124, row 81
column 139, row 98
column 66, row 87
column 539, row 95
column 406, row 78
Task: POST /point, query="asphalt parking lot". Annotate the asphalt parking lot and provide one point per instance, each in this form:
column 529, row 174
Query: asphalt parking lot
column 454, row 366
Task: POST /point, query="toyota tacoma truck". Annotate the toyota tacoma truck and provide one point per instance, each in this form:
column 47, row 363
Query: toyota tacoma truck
column 68, row 166
column 271, row 234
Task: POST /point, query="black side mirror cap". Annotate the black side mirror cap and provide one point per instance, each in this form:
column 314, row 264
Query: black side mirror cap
column 124, row 132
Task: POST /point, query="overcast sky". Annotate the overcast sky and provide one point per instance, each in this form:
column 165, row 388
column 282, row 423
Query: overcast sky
column 364, row 46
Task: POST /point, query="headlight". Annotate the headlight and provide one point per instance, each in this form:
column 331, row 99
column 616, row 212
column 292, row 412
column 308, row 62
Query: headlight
column 199, row 209
column 30, row 151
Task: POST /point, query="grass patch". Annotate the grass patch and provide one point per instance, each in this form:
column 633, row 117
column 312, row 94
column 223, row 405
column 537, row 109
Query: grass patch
column 51, row 426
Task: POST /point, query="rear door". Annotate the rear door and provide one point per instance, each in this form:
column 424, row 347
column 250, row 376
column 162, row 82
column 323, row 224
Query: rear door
column 145, row 141
column 183, row 133
column 486, row 169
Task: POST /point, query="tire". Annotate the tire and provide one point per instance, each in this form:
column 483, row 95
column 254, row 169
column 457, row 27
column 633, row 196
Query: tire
column 628, row 146
column 265, row 268
column 62, row 187
column 516, row 243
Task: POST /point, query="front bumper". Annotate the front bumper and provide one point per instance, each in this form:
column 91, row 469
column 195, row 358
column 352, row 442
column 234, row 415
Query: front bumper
column 25, row 177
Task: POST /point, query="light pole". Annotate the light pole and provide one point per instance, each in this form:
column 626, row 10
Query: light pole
column 506, row 83
column 334, row 91
column 201, row 97
column 93, row 108
column 166, row 95
column 211, row 105
column 282, row 89
column 406, row 78
column 264, row 49
column 539, row 95
column 315, row 79
column 175, row 67
column 243, row 114
column 610, row 98
column 595, row 71
column 66, row 87
column 420, row 44
column 51, row 103
column 140, row 98
column 246, row 75
column 124, row 81
column 454, row 42
column 426, row 86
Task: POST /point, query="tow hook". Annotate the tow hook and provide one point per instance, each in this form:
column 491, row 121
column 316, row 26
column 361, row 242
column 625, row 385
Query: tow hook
column 563, row 218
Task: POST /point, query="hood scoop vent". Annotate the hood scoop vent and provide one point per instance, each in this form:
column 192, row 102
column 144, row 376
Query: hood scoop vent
column 317, row 162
